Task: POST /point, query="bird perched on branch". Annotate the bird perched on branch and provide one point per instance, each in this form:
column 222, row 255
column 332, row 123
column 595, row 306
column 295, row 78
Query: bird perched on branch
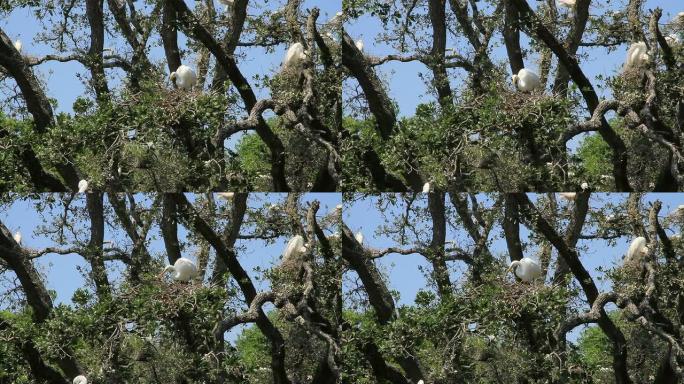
column 17, row 237
column 82, row 186
column 526, row 269
column 526, row 80
column 638, row 249
column 184, row 77
column 637, row 56
column 295, row 57
column 183, row 270
column 359, row 237
column 427, row 187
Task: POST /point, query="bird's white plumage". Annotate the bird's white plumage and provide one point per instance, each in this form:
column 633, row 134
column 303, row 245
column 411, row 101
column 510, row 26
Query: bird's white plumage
column 526, row 269
column 80, row 379
column 82, row 186
column 183, row 269
column 569, row 196
column 526, row 80
column 295, row 56
column 359, row 45
column 359, row 237
column 294, row 248
column 673, row 39
column 636, row 249
column 226, row 195
column 637, row 55
column 420, row 382
column 17, row 237
column 18, row 45
column 184, row 77
column 426, row 188
column 567, row 3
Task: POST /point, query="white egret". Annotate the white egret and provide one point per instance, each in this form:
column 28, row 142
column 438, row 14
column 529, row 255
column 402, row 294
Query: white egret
column 359, row 45
column 637, row 249
column 569, row 196
column 295, row 56
column 80, row 379
column 17, row 45
column 426, row 187
column 183, row 270
column 637, row 55
column 17, row 237
column 226, row 195
column 359, row 237
column 184, row 77
column 294, row 248
column 526, row 269
column 584, row 186
column 673, row 39
column 526, row 80
column 82, row 186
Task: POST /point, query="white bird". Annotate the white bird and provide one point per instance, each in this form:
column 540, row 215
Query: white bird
column 80, row 379
column 17, row 237
column 526, row 80
column 426, row 187
column 294, row 248
column 567, row 3
column 584, row 186
column 184, row 77
column 17, row 45
column 183, row 270
column 636, row 249
column 226, row 195
column 82, row 186
column 359, row 45
column 359, row 237
column 420, row 382
column 637, row 55
column 569, row 196
column 673, row 39
column 295, row 56
column 526, row 269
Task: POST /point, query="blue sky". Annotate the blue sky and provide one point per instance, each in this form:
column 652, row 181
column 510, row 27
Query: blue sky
column 62, row 81
column 408, row 89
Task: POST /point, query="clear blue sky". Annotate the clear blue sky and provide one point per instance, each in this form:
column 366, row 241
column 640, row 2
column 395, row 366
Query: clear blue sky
column 404, row 271
column 408, row 89
column 62, row 81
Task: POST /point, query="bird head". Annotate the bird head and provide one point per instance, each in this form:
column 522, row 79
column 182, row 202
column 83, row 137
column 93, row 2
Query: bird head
column 169, row 268
column 513, row 266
